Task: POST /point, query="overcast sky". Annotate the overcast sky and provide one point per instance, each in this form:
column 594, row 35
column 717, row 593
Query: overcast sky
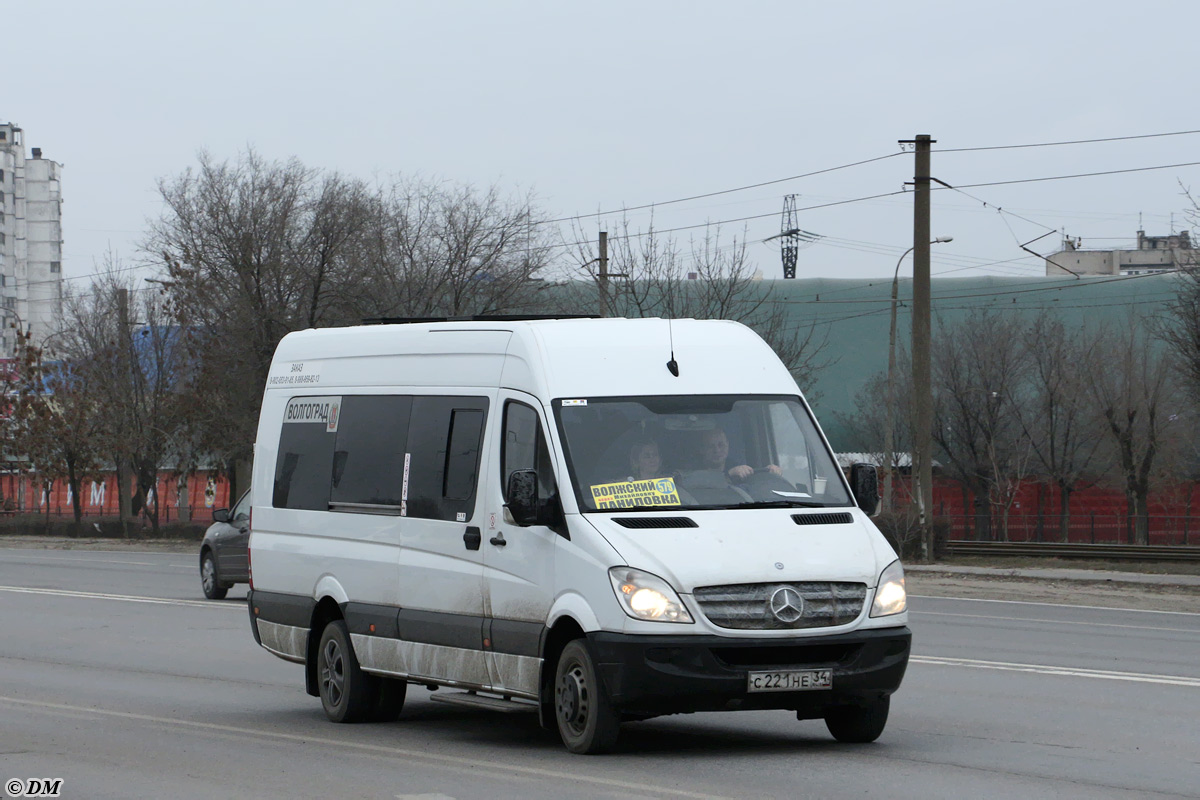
column 596, row 106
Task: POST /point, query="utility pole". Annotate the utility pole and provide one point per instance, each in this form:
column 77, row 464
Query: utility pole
column 921, row 357
column 603, row 273
column 124, row 497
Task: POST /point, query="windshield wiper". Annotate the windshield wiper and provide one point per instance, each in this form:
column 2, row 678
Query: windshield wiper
column 781, row 504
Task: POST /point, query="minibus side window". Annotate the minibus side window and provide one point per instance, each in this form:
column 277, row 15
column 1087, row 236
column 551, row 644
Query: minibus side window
column 462, row 457
column 525, row 448
column 444, row 439
column 368, row 461
column 305, row 458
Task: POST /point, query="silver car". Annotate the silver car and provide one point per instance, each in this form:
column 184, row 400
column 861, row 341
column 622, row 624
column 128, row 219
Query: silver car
column 224, row 553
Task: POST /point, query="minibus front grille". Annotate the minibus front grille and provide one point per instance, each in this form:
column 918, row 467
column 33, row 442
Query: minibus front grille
column 748, row 606
column 839, row 518
column 656, row 522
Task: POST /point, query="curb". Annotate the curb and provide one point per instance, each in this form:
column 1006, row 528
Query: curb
column 1092, row 576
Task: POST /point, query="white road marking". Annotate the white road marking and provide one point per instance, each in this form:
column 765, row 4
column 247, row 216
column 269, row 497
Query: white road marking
column 97, row 550
column 60, row 559
column 1074, row 672
column 1055, row 605
column 471, row 765
column 1051, row 621
column 123, row 597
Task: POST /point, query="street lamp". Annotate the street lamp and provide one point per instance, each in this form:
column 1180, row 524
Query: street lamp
column 889, row 440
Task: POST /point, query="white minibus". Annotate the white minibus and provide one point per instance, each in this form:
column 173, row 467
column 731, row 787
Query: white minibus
column 594, row 520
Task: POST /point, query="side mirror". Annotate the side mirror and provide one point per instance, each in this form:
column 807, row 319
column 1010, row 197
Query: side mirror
column 221, row 515
column 864, row 482
column 522, row 492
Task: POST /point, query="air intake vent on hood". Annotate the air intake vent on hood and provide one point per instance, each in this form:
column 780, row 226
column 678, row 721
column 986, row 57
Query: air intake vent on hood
column 840, row 518
column 656, row 522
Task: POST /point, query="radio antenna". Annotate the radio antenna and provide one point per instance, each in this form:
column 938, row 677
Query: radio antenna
column 672, row 365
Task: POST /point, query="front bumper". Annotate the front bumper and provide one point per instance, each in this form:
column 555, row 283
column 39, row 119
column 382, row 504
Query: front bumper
column 651, row 675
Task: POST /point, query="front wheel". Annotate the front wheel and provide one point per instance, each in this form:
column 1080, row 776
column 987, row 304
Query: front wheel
column 586, row 720
column 388, row 701
column 858, row 724
column 213, row 588
column 345, row 689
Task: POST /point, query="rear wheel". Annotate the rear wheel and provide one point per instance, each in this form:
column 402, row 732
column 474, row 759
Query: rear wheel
column 858, row 724
column 213, row 588
column 346, row 691
column 586, row 720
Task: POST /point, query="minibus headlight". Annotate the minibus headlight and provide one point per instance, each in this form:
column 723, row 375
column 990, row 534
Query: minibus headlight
column 646, row 596
column 890, row 595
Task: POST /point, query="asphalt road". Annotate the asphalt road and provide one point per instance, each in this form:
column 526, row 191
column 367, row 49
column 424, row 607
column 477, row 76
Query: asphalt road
column 118, row 678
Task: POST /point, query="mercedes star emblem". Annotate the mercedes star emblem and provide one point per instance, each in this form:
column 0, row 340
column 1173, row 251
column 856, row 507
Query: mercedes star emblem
column 786, row 604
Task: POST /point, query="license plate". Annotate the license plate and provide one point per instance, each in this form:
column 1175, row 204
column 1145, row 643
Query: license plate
column 800, row 680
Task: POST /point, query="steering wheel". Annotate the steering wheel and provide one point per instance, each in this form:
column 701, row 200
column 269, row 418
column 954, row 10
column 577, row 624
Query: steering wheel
column 762, row 483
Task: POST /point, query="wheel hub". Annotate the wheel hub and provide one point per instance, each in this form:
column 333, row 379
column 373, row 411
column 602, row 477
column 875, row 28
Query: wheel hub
column 571, row 693
column 332, row 677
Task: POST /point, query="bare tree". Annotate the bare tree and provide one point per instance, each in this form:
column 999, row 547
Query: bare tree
column 978, row 371
column 1009, row 460
column 130, row 353
column 436, row 249
column 58, row 422
column 1180, row 327
column 252, row 250
column 1058, row 416
column 1136, row 395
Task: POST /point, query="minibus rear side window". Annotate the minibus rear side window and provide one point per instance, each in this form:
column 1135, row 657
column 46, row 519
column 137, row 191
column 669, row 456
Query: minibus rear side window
column 305, row 454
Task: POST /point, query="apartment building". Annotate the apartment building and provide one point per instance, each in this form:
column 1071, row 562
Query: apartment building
column 1151, row 254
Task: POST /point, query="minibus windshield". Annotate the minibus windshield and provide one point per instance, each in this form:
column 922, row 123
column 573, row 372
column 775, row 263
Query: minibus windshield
column 667, row 453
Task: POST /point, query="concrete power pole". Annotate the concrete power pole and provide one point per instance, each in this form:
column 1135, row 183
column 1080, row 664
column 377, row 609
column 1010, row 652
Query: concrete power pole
column 921, row 341
column 603, row 280
column 124, row 496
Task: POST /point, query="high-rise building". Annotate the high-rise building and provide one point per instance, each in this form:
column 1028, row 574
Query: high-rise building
column 30, row 241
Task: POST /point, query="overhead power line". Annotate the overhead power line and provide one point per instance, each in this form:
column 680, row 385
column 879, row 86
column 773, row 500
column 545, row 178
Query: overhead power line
column 1060, row 144
column 722, row 191
column 1079, row 175
column 66, row 278
column 713, row 223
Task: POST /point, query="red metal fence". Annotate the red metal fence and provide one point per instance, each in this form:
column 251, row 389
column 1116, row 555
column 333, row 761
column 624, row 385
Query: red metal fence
column 23, row 493
column 1083, row 528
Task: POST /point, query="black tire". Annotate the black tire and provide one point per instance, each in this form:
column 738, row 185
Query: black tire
column 210, row 581
column 389, row 699
column 346, row 691
column 858, row 724
column 586, row 720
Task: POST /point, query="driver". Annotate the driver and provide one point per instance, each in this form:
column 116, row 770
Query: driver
column 714, row 452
